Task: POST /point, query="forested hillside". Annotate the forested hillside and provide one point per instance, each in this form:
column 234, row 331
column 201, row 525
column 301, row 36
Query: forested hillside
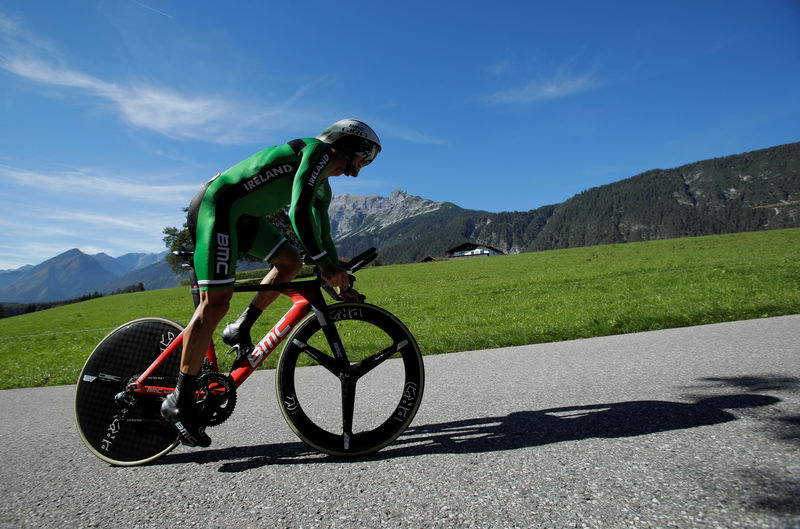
column 746, row 192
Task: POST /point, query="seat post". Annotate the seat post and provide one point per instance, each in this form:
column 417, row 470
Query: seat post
column 188, row 259
column 195, row 287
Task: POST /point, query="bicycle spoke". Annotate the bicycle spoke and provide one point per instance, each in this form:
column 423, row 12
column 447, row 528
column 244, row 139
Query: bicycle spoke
column 348, row 409
column 326, row 361
column 359, row 369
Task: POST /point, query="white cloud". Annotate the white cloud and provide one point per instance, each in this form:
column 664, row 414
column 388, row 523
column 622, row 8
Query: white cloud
column 58, row 210
column 153, row 9
column 40, row 234
column 562, row 85
column 406, row 134
column 209, row 118
column 563, row 80
column 37, row 233
column 131, row 222
column 83, row 182
column 17, row 41
column 158, row 109
column 13, row 256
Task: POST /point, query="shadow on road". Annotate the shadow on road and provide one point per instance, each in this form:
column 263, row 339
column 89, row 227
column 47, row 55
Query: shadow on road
column 754, row 383
column 572, row 423
column 516, row 430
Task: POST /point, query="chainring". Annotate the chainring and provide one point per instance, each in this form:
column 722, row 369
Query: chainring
column 216, row 396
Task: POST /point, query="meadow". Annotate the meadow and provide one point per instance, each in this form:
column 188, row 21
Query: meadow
column 479, row 303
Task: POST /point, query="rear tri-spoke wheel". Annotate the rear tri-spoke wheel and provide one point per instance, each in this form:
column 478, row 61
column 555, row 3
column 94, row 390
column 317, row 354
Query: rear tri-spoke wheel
column 128, row 430
column 358, row 406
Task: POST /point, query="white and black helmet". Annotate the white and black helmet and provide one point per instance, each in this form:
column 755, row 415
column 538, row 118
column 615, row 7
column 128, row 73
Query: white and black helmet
column 353, row 137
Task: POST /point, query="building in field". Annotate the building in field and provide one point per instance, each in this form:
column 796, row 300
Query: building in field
column 471, row 249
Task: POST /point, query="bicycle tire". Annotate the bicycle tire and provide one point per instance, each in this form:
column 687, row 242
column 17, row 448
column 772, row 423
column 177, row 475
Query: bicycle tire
column 137, row 435
column 370, row 335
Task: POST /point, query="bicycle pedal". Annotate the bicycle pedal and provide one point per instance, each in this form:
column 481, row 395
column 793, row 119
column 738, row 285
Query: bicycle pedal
column 241, row 354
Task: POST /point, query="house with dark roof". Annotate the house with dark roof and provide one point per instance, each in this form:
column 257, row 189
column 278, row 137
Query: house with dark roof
column 471, row 249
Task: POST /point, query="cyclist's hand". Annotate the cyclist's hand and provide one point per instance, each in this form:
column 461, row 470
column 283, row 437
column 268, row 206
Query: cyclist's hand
column 350, row 294
column 335, row 276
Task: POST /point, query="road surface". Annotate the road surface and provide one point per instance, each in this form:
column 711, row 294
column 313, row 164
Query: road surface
column 685, row 428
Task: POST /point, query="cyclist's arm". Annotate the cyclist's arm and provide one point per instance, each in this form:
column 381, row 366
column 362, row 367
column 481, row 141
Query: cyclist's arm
column 332, row 272
column 316, row 160
column 321, row 207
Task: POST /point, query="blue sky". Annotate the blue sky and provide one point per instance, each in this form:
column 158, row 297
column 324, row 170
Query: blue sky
column 114, row 112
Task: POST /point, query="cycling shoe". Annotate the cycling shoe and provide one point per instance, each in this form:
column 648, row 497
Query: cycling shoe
column 189, row 426
column 237, row 335
column 233, row 334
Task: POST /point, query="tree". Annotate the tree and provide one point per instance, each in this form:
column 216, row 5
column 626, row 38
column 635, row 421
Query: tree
column 177, row 239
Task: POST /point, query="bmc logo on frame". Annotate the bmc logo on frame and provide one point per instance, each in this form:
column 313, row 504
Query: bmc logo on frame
column 269, row 343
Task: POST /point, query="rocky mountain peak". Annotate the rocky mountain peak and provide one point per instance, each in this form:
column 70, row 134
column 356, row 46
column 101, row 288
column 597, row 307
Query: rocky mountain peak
column 351, row 214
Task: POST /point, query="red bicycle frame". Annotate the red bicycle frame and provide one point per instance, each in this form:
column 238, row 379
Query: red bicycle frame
column 305, row 295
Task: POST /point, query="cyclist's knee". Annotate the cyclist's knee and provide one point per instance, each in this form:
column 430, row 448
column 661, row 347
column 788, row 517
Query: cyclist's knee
column 215, row 305
column 288, row 264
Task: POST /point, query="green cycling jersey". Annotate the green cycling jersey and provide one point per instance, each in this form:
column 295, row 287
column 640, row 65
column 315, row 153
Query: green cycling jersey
column 264, row 183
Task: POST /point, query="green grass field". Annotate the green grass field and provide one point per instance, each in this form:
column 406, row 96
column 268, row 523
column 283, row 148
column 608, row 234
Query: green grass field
column 479, row 303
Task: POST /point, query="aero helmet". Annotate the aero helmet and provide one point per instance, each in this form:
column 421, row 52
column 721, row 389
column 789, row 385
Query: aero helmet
column 354, row 137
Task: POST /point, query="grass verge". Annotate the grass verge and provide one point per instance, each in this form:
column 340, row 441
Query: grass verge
column 477, row 303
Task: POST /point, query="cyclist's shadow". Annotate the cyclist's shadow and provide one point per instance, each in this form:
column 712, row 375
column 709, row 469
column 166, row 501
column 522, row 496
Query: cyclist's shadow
column 573, row 423
column 516, row 430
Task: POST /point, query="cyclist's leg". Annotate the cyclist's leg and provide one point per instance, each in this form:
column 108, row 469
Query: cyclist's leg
column 269, row 245
column 215, row 262
column 216, row 247
column 285, row 267
column 214, row 304
column 180, row 407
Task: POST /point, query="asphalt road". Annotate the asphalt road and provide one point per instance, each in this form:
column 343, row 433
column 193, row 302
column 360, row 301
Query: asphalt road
column 696, row 427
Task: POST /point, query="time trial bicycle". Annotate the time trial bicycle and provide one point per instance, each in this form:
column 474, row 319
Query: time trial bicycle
column 329, row 352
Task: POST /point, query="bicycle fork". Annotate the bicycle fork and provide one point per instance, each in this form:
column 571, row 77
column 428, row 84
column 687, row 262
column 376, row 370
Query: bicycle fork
column 345, row 373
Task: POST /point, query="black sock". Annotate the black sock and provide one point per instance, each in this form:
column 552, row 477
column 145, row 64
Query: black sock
column 185, row 388
column 249, row 316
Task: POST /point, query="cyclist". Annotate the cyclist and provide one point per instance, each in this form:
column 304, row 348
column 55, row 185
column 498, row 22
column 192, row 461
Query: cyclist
column 228, row 215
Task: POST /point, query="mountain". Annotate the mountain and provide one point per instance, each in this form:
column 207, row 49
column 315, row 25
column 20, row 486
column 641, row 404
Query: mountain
column 153, row 276
column 73, row 274
column 20, row 269
column 720, row 195
column 110, row 264
column 8, row 277
column 353, row 214
column 119, row 266
column 70, row 274
column 137, row 261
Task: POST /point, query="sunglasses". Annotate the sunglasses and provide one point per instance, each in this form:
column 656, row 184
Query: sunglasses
column 366, row 150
